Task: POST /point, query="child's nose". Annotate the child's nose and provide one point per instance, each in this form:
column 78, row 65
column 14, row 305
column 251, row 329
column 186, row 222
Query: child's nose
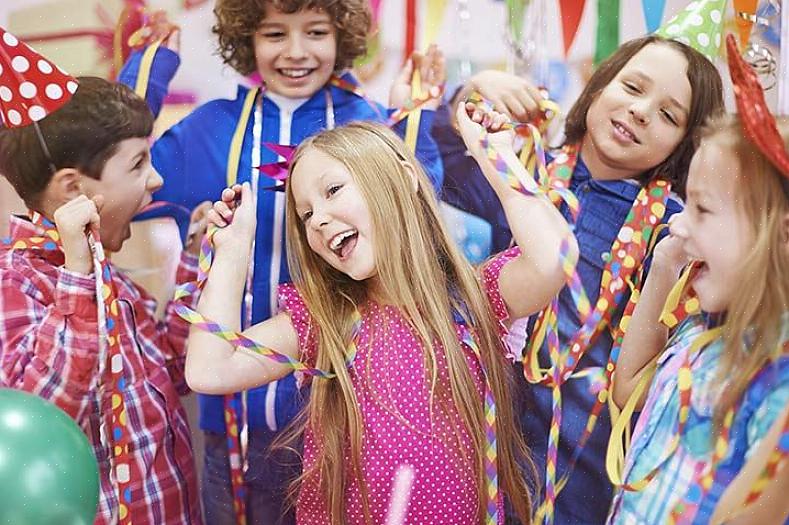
column 640, row 112
column 154, row 181
column 295, row 48
column 677, row 225
column 319, row 220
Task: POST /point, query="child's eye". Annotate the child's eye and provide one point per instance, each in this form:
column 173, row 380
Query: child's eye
column 318, row 33
column 334, row 188
column 632, row 87
column 669, row 116
column 273, row 35
column 306, row 216
column 140, row 163
column 701, row 209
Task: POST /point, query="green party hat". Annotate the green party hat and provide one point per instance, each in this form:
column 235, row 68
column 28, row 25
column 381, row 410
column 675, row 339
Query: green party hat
column 699, row 25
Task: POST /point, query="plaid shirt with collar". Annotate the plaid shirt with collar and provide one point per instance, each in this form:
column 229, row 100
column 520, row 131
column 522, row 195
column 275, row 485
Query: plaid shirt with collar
column 49, row 346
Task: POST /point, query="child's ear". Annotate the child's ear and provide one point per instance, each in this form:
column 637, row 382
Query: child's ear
column 411, row 172
column 65, row 185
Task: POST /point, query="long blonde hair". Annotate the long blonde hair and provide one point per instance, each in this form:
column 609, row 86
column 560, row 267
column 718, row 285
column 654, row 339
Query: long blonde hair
column 753, row 321
column 424, row 274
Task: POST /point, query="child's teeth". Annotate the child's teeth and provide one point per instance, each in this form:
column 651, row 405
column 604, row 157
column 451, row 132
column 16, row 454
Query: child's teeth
column 295, row 73
column 335, row 243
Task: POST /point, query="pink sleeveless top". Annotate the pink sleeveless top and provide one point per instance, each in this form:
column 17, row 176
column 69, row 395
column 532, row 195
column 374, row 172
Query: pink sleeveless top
column 401, row 425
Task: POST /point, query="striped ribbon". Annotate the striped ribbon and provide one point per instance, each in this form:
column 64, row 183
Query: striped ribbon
column 626, row 256
column 491, row 448
column 527, row 185
column 418, row 99
column 236, row 339
column 601, row 378
column 775, row 462
column 627, row 253
column 124, row 467
column 622, row 424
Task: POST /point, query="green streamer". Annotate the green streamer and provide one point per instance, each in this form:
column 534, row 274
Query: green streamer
column 607, row 29
column 515, row 12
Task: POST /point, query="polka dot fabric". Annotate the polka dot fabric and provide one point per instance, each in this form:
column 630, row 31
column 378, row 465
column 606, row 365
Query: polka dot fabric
column 31, row 87
column 401, row 425
column 699, row 25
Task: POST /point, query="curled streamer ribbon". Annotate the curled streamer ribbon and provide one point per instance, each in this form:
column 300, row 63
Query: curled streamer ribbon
column 237, row 339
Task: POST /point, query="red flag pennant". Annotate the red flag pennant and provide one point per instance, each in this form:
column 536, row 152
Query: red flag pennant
column 570, row 13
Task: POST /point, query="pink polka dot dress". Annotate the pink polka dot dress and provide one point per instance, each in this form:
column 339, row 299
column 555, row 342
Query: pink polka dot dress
column 393, row 390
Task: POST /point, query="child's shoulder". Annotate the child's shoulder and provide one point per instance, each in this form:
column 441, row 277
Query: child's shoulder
column 349, row 98
column 33, row 273
column 217, row 108
column 290, row 301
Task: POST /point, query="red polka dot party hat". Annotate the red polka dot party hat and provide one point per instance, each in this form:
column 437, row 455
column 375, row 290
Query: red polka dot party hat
column 31, row 87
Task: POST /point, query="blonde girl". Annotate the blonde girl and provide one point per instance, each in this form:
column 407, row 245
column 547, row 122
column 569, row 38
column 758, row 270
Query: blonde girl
column 383, row 300
column 730, row 363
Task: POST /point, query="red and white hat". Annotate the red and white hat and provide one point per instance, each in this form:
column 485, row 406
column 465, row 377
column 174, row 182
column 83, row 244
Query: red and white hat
column 31, row 87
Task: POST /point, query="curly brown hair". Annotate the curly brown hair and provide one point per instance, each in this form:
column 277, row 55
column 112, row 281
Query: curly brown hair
column 237, row 21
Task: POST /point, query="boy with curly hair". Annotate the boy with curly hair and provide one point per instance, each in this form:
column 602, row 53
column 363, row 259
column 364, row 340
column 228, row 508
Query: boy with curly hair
column 300, row 50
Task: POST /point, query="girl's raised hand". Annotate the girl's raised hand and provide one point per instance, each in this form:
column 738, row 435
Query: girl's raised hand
column 234, row 215
column 474, row 120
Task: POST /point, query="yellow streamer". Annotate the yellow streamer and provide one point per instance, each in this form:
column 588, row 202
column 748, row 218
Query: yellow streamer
column 412, row 124
column 620, row 439
column 435, row 15
column 234, row 157
column 141, row 87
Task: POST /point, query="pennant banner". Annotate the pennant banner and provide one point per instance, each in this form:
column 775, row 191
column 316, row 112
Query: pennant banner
column 653, row 13
column 607, row 39
column 409, row 44
column 744, row 17
column 570, row 13
column 516, row 9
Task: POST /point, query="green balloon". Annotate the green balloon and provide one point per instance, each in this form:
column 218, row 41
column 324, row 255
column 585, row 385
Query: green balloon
column 48, row 472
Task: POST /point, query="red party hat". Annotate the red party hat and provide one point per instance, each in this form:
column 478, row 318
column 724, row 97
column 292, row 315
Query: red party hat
column 31, row 87
column 757, row 121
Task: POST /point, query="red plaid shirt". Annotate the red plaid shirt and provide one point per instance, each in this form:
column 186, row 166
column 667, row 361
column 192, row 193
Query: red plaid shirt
column 49, row 346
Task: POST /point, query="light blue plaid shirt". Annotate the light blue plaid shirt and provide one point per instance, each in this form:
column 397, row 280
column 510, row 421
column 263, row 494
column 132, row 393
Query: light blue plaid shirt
column 761, row 404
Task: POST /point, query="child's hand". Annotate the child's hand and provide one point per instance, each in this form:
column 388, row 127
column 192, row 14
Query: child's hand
column 432, row 72
column 512, row 95
column 234, row 214
column 72, row 220
column 474, row 120
column 157, row 28
column 669, row 255
column 198, row 223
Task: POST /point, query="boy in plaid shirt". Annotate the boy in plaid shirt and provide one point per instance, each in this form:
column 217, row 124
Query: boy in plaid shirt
column 90, row 169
